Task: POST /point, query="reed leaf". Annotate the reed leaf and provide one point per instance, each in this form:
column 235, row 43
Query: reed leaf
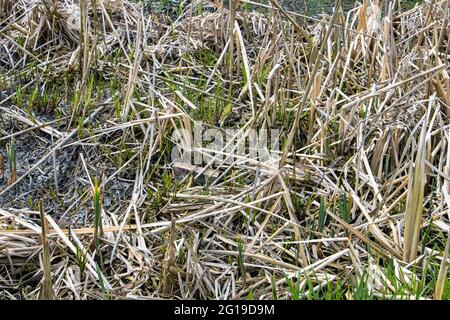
column 442, row 275
column 414, row 202
column 46, row 292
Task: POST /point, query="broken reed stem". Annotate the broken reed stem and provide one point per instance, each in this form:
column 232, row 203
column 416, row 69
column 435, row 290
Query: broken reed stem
column 46, row 292
column 358, row 99
column 305, row 98
column 233, row 5
column 96, row 195
column 83, row 60
column 442, row 275
column 304, row 34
